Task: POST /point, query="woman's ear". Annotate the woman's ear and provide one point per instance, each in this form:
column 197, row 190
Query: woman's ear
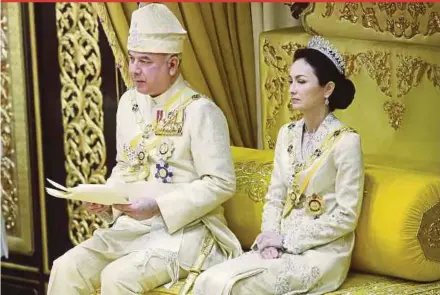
column 329, row 88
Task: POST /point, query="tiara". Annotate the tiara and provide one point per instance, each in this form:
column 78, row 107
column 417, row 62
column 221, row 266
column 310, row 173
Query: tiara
column 324, row 46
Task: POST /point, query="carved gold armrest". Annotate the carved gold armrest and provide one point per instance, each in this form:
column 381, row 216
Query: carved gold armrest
column 195, row 271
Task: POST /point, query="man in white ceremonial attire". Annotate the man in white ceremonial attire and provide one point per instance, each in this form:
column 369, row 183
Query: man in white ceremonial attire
column 173, row 148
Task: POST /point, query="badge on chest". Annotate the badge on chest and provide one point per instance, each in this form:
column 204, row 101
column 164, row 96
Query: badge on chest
column 171, row 124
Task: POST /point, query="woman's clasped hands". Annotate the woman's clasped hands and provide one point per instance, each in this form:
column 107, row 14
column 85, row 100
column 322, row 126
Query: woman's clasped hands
column 269, row 244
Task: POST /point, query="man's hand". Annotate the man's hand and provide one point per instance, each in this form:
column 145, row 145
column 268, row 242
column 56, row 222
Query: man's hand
column 270, row 253
column 140, row 209
column 96, row 208
column 269, row 239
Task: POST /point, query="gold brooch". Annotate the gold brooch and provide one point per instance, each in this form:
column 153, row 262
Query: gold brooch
column 314, row 205
column 295, row 198
column 165, row 149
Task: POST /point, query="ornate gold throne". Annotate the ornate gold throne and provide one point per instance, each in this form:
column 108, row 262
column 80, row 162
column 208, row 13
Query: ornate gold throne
column 392, row 54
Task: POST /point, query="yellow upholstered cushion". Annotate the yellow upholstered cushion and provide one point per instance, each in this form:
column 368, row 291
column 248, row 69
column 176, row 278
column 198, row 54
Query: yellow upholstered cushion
column 398, row 234
column 253, row 169
column 401, row 212
column 364, row 284
column 417, row 23
column 355, row 284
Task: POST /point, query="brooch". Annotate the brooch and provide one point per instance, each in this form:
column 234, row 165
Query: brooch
column 295, row 197
column 315, row 205
column 163, row 172
column 165, row 149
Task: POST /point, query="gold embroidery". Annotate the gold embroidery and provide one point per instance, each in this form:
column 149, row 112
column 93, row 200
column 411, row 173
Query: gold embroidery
column 85, row 149
column 270, row 142
column 329, row 7
column 350, row 65
column 434, row 74
column 253, row 179
column 378, row 66
column 429, row 232
column 369, row 20
column 381, row 285
column 433, row 23
column 410, row 71
column 276, row 83
column 349, row 12
column 295, row 115
column 402, row 20
column 389, row 8
column 395, row 111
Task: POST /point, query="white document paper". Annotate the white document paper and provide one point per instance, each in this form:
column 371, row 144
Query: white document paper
column 111, row 194
column 92, row 193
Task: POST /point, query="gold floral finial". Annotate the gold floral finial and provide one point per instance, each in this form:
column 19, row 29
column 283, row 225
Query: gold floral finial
column 395, row 111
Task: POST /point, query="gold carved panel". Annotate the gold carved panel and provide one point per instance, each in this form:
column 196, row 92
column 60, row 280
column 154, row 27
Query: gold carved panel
column 397, row 96
column 409, row 22
column 277, row 58
column 16, row 201
column 411, row 70
column 253, row 179
column 83, row 117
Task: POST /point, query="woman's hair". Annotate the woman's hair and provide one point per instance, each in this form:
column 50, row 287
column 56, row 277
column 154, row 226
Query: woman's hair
column 326, row 71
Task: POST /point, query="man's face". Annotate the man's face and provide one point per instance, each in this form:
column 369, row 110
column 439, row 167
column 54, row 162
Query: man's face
column 152, row 73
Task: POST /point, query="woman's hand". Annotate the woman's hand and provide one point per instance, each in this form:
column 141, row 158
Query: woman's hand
column 269, row 239
column 270, row 253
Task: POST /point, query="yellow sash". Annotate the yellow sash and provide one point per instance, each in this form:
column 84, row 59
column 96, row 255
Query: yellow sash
column 299, row 190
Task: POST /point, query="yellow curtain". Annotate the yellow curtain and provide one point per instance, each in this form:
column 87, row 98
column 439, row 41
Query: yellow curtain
column 218, row 59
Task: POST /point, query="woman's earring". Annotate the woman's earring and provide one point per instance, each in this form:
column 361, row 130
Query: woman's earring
column 326, row 101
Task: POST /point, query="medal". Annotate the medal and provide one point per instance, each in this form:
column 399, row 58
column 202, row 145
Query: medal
column 165, row 149
column 315, row 205
column 163, row 172
column 141, row 156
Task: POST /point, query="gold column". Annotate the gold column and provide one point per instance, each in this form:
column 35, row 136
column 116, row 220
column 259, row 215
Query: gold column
column 15, row 163
column 81, row 100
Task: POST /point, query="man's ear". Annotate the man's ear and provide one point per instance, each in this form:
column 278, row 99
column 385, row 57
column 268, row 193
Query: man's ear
column 173, row 64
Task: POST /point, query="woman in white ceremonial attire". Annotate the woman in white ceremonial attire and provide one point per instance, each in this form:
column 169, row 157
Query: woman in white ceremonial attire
column 174, row 161
column 315, row 196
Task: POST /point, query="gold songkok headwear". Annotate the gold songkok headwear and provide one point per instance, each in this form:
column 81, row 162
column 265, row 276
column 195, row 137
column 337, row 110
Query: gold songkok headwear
column 155, row 29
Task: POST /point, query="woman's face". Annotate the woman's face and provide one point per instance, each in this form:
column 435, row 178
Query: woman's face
column 306, row 93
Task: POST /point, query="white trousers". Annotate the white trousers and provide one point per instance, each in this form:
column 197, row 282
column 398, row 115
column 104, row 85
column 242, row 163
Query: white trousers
column 81, row 271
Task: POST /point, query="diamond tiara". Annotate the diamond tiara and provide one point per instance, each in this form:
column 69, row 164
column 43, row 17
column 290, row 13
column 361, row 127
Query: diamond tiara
column 324, row 46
